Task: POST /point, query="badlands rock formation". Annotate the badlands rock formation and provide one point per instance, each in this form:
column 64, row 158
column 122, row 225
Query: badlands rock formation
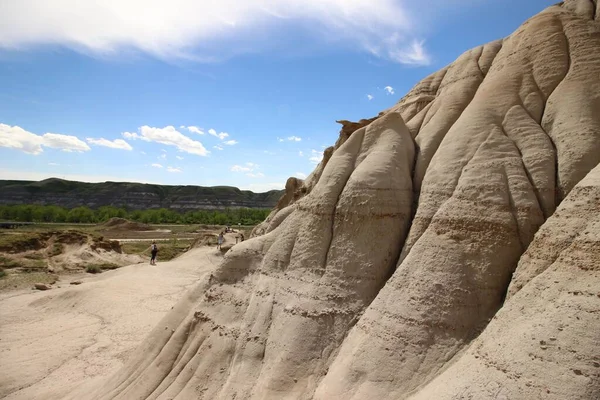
column 447, row 249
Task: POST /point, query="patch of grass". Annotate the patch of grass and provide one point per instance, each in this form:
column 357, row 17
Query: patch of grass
column 167, row 250
column 34, row 256
column 56, row 250
column 16, row 243
column 140, row 248
column 9, row 263
column 33, row 266
column 2, row 273
column 14, row 281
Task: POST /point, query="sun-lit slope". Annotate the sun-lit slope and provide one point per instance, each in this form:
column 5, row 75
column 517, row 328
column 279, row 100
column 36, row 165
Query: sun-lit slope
column 378, row 275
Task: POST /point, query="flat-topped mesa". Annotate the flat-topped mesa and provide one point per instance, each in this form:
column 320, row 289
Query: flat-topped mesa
column 409, row 264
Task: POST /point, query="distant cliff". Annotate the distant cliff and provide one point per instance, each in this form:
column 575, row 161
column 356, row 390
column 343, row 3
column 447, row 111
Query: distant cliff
column 133, row 196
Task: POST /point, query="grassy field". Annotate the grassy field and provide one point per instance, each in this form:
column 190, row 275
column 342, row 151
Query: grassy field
column 29, row 254
column 167, row 250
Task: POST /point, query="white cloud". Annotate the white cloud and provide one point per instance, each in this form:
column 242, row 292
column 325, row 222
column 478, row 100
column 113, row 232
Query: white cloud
column 178, row 30
column 218, row 147
column 271, row 153
column 64, row 142
column 389, row 89
column 249, row 168
column 300, row 153
column 156, row 165
column 230, row 142
column 143, row 152
column 294, row 139
column 370, row 97
column 53, row 164
column 316, row 156
column 280, row 140
column 168, row 136
column 130, row 136
column 113, row 144
column 239, row 168
column 174, row 170
column 263, row 187
column 300, row 175
column 15, row 137
column 415, row 54
column 193, row 129
column 179, row 157
column 162, row 157
column 221, row 135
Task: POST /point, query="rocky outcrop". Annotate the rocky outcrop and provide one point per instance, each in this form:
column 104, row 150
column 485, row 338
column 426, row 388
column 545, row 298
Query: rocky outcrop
column 133, row 196
column 448, row 249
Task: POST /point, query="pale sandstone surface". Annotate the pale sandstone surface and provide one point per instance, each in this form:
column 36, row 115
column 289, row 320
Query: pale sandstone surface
column 446, row 249
column 52, row 341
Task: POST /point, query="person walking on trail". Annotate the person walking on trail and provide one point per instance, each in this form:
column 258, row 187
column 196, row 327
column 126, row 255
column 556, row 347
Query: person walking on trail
column 154, row 252
column 220, row 240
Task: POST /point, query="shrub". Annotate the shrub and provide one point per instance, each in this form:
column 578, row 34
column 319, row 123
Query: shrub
column 98, row 268
column 93, row 269
column 2, row 272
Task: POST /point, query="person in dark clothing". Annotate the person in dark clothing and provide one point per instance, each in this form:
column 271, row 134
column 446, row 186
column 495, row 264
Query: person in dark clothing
column 154, row 252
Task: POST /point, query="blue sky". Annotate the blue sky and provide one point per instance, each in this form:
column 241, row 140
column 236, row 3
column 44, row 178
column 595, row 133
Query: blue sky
column 214, row 93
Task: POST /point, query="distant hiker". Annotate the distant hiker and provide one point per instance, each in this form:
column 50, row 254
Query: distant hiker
column 241, row 237
column 154, row 252
column 220, row 240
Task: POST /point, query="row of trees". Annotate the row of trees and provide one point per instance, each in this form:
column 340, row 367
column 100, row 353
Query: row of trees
column 38, row 213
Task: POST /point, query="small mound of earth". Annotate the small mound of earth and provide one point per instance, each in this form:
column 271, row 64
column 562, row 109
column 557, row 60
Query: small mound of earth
column 123, row 224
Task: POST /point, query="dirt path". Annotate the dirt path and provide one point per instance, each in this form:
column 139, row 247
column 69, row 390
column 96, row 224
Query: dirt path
column 54, row 341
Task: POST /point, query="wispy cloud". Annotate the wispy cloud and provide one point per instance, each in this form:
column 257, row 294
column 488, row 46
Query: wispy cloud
column 157, row 165
column 230, row 142
column 300, row 153
column 300, row 175
column 179, row 157
column 370, row 97
column 250, row 169
column 218, row 147
column 119, row 144
column 415, row 54
column 294, row 139
column 53, row 164
column 239, row 168
column 221, row 135
column 174, row 170
column 203, row 30
column 316, row 156
column 162, row 157
column 194, row 129
column 389, row 89
column 168, row 136
column 17, row 138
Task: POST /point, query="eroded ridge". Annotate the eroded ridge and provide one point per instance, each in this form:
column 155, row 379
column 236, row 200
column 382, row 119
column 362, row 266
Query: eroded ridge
column 378, row 275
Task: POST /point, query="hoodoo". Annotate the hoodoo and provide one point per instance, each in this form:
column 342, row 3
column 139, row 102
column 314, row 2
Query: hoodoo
column 447, row 249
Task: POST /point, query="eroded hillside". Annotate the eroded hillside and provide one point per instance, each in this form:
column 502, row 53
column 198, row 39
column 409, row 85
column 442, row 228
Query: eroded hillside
column 408, row 265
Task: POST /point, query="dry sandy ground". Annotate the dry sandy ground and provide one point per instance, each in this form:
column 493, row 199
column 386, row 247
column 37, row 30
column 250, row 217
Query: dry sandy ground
column 54, row 341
